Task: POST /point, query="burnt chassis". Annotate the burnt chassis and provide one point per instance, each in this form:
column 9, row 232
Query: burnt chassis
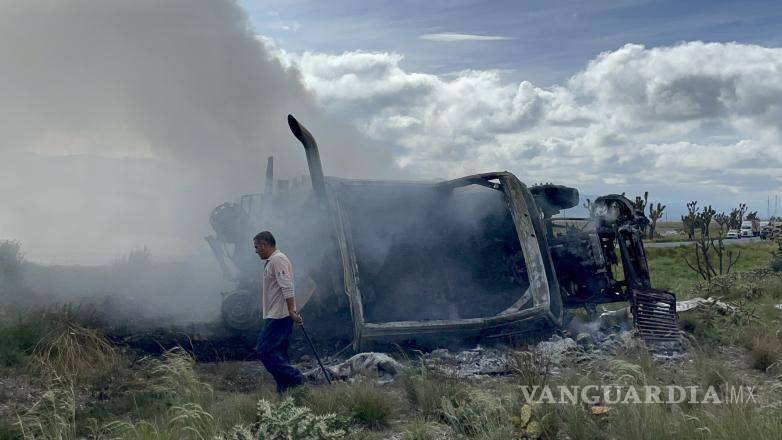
column 569, row 263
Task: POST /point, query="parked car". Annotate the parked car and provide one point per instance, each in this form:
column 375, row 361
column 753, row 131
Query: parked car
column 733, row 234
column 747, row 229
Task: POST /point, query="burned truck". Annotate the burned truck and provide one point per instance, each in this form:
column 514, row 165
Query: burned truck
column 478, row 258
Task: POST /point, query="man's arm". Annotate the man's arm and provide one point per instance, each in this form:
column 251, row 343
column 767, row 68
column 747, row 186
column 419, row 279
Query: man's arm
column 282, row 272
column 291, row 302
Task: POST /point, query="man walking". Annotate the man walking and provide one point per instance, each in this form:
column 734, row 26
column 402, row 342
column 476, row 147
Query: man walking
column 279, row 311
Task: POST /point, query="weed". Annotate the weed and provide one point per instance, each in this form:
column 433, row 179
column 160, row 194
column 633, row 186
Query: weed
column 173, row 376
column 426, row 389
column 531, row 367
column 419, row 429
column 764, row 352
column 476, row 413
column 364, row 402
column 53, row 415
column 186, row 422
column 288, row 421
column 369, row 405
column 711, row 371
column 8, row 431
column 73, row 351
column 19, row 334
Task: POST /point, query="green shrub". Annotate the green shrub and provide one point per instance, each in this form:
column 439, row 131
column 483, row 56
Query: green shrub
column 20, row 333
column 236, row 409
column 366, row 403
column 8, row 431
column 475, row 413
column 764, row 352
column 530, row 367
column 369, row 405
column 419, row 430
column 285, row 420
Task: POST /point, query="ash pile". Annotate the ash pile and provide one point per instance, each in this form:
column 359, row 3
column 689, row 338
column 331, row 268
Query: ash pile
column 559, row 349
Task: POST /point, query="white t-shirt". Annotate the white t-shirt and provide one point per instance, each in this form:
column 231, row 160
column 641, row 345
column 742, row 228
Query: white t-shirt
column 277, row 286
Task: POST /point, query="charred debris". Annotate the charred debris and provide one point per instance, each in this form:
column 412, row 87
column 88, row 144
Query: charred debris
column 473, row 259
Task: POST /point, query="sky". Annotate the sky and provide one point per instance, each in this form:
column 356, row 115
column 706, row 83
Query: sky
column 124, row 123
column 682, row 99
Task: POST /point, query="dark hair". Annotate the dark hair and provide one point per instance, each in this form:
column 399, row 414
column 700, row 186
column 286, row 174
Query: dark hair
column 265, row 237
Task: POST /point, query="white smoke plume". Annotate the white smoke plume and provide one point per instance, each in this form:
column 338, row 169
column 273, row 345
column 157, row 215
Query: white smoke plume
column 122, row 123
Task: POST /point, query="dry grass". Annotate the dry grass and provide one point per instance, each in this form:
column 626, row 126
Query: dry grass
column 173, row 376
column 531, row 368
column 72, row 351
column 426, row 389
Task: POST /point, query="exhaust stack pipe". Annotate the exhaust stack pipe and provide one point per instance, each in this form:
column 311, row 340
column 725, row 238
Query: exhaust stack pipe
column 313, row 156
column 269, row 188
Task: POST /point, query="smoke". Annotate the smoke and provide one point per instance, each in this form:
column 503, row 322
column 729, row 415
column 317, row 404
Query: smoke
column 123, row 123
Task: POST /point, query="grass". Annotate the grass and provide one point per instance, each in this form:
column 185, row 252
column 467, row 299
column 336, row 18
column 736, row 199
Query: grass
column 669, row 272
column 95, row 391
column 366, row 403
column 427, row 389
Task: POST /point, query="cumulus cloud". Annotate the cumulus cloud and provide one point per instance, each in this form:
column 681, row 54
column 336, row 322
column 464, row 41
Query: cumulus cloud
column 695, row 113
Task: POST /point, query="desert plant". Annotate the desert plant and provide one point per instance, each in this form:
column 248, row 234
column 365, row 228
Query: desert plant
column 764, row 352
column 419, row 429
column 368, row 405
column 689, row 220
column 173, row 376
column 285, row 420
column 53, row 415
column 655, row 213
column 186, row 422
column 426, row 389
column 591, row 208
column 532, row 368
column 73, row 351
column 18, row 336
column 476, row 414
column 710, row 256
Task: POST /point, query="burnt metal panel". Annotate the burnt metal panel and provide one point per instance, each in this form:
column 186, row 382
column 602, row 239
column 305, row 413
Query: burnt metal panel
column 543, row 288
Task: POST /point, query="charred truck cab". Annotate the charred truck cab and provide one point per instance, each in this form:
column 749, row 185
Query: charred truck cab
column 467, row 259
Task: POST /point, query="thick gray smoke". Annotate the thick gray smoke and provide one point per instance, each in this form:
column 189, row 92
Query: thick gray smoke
column 122, row 123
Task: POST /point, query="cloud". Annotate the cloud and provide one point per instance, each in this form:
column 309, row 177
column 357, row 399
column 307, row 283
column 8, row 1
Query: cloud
column 449, row 37
column 691, row 114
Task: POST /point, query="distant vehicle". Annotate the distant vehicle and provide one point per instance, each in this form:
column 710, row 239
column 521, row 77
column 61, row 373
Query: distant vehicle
column 747, row 229
column 765, row 230
column 733, row 234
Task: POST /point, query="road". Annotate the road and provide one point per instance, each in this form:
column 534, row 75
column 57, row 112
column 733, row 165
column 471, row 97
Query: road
column 739, row 241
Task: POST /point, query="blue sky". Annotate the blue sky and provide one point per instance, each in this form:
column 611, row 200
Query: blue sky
column 657, row 110
column 548, row 40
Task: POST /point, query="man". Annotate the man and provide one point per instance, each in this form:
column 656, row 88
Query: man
column 279, row 311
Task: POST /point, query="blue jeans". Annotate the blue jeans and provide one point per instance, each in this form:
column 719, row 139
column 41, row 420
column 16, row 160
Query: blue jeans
column 272, row 347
